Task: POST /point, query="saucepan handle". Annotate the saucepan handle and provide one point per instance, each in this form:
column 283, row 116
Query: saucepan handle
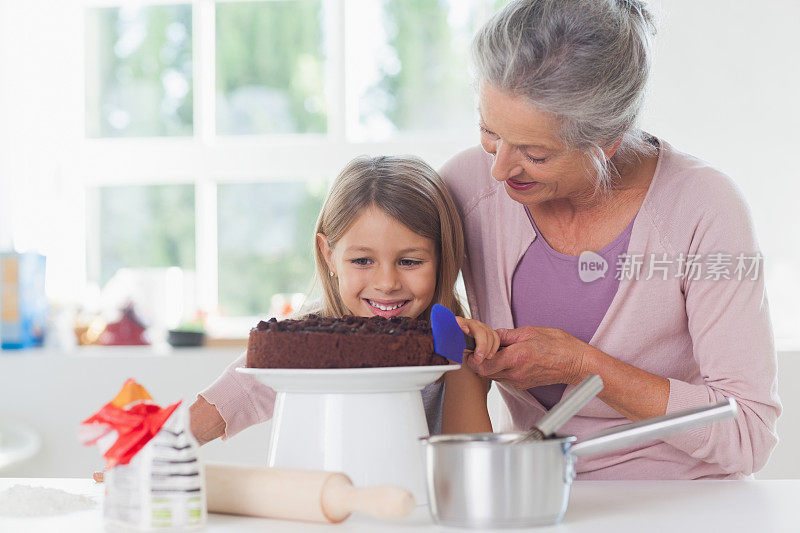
column 654, row 428
column 570, row 405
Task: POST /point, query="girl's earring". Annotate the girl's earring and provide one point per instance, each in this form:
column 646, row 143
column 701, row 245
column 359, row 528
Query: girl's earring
column 332, row 274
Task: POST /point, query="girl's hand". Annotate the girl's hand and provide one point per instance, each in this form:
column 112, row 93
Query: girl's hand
column 487, row 341
column 205, row 421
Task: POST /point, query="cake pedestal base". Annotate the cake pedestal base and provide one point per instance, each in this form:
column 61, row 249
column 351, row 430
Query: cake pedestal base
column 373, row 438
column 365, row 423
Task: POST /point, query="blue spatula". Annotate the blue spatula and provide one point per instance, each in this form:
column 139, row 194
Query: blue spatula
column 449, row 340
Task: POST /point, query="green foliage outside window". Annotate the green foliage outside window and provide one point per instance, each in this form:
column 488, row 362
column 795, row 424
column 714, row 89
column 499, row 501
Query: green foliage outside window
column 139, row 71
column 270, row 67
column 146, row 226
column 429, row 89
column 266, row 235
column 424, row 80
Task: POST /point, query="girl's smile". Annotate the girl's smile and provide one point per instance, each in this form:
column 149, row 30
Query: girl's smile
column 387, row 308
column 382, row 267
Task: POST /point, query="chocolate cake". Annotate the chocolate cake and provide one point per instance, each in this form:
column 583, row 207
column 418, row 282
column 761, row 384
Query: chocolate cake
column 347, row 342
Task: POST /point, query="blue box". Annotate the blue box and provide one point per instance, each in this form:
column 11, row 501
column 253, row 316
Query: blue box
column 23, row 303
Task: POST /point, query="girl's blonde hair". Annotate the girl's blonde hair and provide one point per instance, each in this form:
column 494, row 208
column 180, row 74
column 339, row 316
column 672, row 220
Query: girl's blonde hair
column 408, row 190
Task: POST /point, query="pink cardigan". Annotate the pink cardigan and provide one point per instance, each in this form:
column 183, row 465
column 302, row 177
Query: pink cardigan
column 711, row 338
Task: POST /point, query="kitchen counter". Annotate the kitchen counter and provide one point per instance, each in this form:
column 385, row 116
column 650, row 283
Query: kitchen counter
column 762, row 506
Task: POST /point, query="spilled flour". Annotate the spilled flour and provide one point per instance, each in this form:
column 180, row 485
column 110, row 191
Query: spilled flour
column 24, row 500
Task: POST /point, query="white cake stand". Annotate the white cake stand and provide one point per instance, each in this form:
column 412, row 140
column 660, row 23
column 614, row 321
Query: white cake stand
column 365, row 422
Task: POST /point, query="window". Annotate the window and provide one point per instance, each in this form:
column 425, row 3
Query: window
column 414, row 75
column 265, row 242
column 213, row 128
column 141, row 85
column 145, row 226
column 70, row 132
column 270, row 63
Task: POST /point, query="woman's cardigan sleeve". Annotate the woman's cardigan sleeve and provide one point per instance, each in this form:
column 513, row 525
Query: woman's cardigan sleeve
column 732, row 340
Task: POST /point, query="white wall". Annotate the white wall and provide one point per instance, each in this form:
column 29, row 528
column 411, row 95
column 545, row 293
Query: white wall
column 785, row 462
column 725, row 88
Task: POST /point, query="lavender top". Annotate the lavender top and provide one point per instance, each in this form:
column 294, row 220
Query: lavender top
column 551, row 289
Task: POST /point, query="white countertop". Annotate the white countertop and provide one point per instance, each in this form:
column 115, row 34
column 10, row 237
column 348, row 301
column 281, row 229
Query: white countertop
column 762, row 506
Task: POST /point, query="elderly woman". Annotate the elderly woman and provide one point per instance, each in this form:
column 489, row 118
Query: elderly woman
column 595, row 248
column 599, row 249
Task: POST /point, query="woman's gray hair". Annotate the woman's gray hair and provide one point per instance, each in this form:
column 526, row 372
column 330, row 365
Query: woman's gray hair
column 585, row 61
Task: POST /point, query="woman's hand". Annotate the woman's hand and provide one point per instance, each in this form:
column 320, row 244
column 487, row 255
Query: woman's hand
column 532, row 356
column 487, row 341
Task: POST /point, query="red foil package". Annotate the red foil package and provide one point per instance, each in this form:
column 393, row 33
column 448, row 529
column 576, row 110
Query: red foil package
column 135, row 419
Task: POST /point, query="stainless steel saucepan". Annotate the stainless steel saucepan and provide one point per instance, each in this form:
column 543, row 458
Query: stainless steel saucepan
column 486, row 480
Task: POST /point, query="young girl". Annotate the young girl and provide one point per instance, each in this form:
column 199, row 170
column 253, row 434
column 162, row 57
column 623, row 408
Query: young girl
column 388, row 242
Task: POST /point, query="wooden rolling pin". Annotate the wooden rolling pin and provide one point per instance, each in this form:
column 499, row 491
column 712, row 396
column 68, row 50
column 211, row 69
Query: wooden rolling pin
column 298, row 494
